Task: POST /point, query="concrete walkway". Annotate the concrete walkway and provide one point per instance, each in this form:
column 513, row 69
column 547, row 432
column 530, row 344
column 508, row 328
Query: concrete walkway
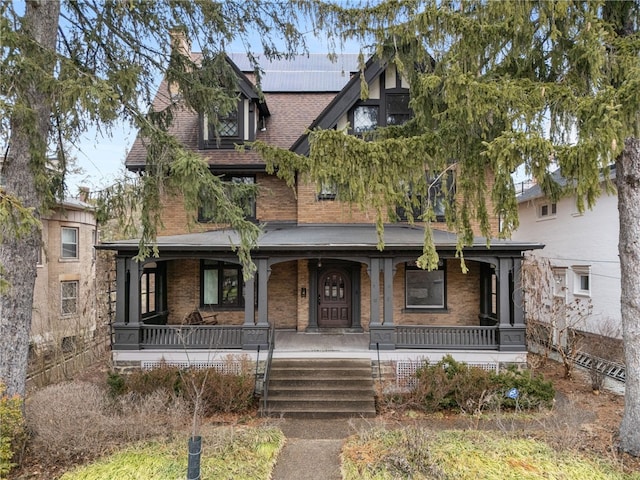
column 312, row 451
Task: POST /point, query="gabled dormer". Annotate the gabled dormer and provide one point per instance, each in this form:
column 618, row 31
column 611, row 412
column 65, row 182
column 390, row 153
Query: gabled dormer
column 387, row 104
column 239, row 125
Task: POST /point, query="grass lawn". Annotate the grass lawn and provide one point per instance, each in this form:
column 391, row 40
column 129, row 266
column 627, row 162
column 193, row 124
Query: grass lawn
column 227, row 453
column 422, row 454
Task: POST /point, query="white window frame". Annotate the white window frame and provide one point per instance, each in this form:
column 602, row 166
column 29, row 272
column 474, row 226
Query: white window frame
column 62, row 243
column 551, row 210
column 580, row 272
column 63, row 298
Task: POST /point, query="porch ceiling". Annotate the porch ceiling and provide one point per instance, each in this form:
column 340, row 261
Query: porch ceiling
column 295, row 237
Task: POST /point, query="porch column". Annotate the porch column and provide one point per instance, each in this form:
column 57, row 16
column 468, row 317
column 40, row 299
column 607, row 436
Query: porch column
column 511, row 329
column 263, row 277
column 250, row 301
column 134, row 292
column 388, row 291
column 127, row 326
column 256, row 336
column 374, row 277
column 121, row 292
column 381, row 336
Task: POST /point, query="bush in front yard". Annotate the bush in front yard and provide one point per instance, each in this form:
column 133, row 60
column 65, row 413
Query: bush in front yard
column 221, row 391
column 453, row 385
column 11, row 429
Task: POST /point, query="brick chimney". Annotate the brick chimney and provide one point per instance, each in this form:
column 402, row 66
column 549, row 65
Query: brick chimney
column 179, row 44
column 83, row 194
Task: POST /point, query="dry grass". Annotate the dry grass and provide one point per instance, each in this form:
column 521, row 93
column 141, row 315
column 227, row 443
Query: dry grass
column 76, row 421
column 228, row 453
column 426, row 454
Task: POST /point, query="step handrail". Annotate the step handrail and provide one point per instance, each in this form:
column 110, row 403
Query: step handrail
column 267, row 368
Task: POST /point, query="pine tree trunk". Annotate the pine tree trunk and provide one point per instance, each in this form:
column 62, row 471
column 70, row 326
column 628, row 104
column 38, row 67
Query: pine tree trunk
column 28, row 149
column 628, row 184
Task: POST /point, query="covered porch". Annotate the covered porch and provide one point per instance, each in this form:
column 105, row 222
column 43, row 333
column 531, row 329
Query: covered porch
column 482, row 314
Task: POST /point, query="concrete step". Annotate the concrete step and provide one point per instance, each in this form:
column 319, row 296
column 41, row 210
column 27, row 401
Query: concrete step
column 320, row 388
column 321, row 362
column 306, row 382
column 324, row 392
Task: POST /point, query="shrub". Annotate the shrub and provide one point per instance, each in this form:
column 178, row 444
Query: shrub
column 449, row 384
column 79, row 420
column 533, row 390
column 221, row 392
column 12, row 431
column 144, row 382
column 227, row 393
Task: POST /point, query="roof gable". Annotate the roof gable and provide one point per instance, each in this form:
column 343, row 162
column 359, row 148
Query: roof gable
column 341, row 104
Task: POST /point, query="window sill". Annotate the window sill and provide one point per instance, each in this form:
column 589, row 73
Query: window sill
column 225, row 144
column 582, row 294
column 67, row 260
column 544, row 219
column 412, row 310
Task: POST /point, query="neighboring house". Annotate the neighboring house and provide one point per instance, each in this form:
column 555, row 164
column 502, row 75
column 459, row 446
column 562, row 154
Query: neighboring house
column 581, row 249
column 318, row 265
column 64, row 306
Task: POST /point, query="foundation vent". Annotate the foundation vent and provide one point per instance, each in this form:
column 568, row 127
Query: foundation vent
column 223, row 366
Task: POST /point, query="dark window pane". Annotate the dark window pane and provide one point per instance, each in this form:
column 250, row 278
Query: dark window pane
column 398, row 111
column 425, row 289
column 230, row 286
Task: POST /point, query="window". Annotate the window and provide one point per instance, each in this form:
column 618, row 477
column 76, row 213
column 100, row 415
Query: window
column 228, row 125
column 69, row 297
column 148, row 291
column 69, row 242
column 581, row 280
column 547, row 210
column 328, row 191
column 365, row 118
column 227, row 129
column 425, row 289
column 221, row 284
column 241, row 192
column 440, row 189
column 559, row 282
column 398, row 111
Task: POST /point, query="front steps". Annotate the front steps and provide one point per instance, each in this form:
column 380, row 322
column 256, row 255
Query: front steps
column 320, row 388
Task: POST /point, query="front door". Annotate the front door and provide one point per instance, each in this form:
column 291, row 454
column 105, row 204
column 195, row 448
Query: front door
column 334, row 299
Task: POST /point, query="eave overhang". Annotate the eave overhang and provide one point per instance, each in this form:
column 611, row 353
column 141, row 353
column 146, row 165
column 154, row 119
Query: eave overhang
column 294, row 238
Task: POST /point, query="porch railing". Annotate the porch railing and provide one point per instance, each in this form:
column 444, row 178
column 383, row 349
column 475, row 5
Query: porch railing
column 440, row 337
column 190, row 336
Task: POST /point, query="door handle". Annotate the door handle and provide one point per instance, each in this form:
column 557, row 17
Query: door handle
column 318, row 299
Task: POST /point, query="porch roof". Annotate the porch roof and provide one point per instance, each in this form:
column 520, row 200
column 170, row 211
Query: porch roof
column 296, row 237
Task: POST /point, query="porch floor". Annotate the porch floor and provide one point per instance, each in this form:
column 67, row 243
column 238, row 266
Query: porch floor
column 289, row 343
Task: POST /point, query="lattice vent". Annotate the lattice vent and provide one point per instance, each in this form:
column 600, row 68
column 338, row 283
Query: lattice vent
column 226, row 367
